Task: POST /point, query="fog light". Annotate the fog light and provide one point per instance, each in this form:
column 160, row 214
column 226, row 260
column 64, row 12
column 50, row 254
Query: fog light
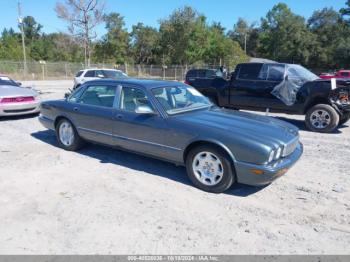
column 257, row 171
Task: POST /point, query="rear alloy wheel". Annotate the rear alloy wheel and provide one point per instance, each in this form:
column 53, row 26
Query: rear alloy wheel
column 67, row 136
column 344, row 118
column 210, row 169
column 322, row 118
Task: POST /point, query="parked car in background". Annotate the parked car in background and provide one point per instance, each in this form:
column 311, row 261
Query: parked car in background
column 17, row 100
column 338, row 74
column 282, row 88
column 92, row 74
column 174, row 122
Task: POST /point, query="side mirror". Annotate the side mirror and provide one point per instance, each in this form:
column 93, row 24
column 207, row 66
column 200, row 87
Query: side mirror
column 144, row 110
column 100, row 76
column 66, row 95
column 19, row 83
column 286, row 78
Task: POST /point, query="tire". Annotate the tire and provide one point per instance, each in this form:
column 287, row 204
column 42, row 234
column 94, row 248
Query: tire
column 73, row 144
column 344, row 118
column 223, row 175
column 322, row 118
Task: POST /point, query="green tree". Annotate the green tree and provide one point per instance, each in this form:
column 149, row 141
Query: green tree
column 31, row 28
column 144, row 41
column 327, row 27
column 114, row 46
column 10, row 47
column 285, row 37
column 175, row 33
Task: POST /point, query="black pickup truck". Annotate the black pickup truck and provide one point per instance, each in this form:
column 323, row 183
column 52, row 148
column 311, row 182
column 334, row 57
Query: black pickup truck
column 280, row 88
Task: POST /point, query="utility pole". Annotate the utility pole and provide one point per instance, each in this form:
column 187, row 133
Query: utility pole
column 245, row 43
column 20, row 21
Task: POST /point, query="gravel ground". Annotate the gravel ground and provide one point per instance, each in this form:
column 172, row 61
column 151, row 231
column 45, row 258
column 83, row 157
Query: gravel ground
column 104, row 201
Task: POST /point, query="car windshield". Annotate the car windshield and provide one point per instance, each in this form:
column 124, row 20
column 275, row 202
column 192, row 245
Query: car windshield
column 6, row 81
column 180, row 99
column 114, row 74
column 297, row 71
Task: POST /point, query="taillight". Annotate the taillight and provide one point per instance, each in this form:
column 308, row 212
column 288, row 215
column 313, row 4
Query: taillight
column 20, row 99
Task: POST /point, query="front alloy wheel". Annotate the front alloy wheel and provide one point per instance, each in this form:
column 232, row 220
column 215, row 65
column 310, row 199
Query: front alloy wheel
column 207, row 168
column 210, row 168
column 322, row 118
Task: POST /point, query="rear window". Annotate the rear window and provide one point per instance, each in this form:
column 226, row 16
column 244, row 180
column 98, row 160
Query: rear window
column 192, row 73
column 90, row 73
column 249, row 71
column 79, row 73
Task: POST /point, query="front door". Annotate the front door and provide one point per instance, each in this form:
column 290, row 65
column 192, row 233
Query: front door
column 138, row 132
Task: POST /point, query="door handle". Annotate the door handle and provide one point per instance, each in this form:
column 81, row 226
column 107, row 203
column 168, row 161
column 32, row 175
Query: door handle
column 75, row 109
column 119, row 116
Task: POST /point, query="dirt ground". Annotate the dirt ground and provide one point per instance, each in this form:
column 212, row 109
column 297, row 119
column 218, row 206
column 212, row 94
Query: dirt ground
column 104, row 201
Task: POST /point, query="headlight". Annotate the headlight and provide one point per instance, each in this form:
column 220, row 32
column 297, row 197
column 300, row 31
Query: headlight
column 278, row 153
column 271, row 156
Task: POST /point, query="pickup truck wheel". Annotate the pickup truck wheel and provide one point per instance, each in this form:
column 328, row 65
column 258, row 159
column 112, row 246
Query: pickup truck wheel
column 67, row 136
column 344, row 118
column 210, row 169
column 322, row 118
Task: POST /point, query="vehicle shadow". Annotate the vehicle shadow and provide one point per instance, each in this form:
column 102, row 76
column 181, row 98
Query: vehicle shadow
column 19, row 117
column 140, row 163
column 301, row 124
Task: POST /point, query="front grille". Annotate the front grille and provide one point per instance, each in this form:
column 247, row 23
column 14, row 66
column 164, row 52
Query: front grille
column 290, row 147
column 19, row 110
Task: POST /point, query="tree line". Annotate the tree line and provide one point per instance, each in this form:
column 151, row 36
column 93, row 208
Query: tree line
column 186, row 38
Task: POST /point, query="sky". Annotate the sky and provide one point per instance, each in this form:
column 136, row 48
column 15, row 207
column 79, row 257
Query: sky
column 150, row 11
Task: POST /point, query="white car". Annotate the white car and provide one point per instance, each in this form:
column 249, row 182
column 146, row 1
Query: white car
column 93, row 74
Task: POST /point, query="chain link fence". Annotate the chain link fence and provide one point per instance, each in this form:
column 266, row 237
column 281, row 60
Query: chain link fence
column 65, row 70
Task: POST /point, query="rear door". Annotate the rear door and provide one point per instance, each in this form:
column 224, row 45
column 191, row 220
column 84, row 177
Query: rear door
column 93, row 113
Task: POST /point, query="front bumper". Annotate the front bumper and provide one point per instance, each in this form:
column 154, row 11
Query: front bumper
column 14, row 109
column 269, row 173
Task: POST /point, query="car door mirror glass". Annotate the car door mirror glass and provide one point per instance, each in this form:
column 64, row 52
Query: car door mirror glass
column 144, row 110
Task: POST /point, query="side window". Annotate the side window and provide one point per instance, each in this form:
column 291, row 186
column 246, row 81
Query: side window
column 263, row 72
column 345, row 74
column 131, row 98
column 90, row 73
column 210, row 74
column 249, row 71
column 192, row 73
column 99, row 96
column 276, row 73
column 201, row 73
column 99, row 73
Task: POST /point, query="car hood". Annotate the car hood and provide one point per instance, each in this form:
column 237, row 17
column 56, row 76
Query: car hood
column 264, row 129
column 14, row 91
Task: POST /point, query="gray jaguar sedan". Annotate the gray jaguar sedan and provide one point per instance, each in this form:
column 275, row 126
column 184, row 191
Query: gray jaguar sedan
column 174, row 122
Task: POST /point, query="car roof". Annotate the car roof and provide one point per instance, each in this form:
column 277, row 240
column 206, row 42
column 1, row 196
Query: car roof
column 146, row 83
column 107, row 69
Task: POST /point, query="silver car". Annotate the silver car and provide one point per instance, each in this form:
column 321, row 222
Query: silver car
column 17, row 100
